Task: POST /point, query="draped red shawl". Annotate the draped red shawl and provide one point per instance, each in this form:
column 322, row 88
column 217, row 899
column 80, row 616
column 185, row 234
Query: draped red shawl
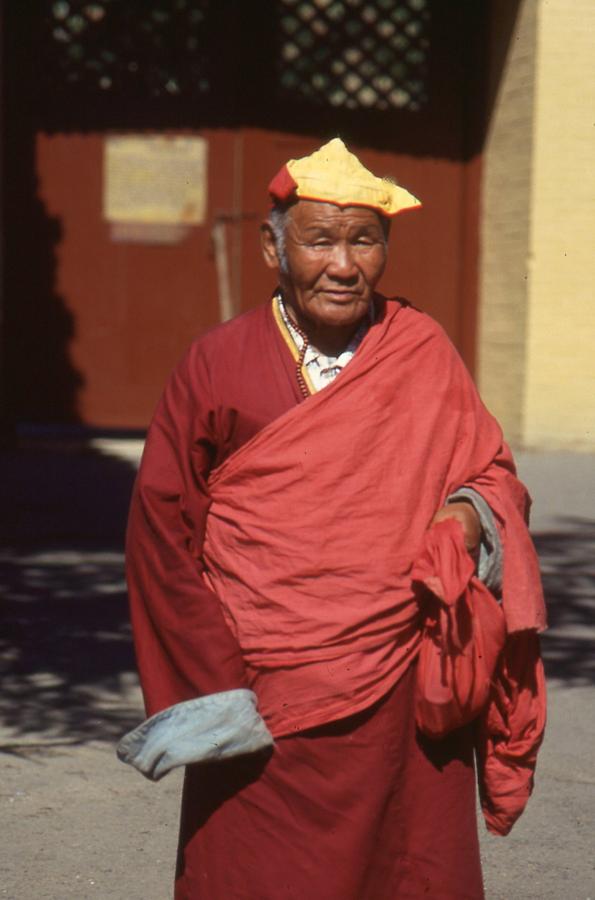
column 316, row 521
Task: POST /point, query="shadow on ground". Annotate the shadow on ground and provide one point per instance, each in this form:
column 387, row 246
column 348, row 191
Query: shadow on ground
column 68, row 671
column 567, row 557
column 65, row 644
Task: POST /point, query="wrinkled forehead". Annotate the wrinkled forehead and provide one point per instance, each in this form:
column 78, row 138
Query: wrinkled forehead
column 305, row 214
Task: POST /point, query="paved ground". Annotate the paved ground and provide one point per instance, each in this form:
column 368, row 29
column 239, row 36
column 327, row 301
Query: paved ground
column 78, row 824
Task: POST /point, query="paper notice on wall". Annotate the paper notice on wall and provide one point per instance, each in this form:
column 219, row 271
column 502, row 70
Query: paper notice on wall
column 155, row 181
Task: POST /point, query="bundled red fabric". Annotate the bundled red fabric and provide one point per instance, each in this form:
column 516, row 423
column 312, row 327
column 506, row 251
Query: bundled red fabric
column 464, row 633
column 510, row 732
column 470, row 669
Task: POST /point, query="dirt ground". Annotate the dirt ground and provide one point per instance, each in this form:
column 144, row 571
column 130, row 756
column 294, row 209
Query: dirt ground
column 79, row 824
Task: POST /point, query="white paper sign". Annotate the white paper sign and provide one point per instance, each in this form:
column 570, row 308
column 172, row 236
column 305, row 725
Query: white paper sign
column 155, row 180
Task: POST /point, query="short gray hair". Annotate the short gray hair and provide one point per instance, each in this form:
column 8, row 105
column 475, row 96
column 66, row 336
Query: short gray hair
column 278, row 223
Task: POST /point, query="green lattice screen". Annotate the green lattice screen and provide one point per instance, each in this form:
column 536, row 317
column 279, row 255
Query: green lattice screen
column 159, row 48
column 355, row 53
column 344, row 54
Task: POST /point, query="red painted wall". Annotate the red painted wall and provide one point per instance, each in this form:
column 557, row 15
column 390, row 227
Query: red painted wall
column 135, row 307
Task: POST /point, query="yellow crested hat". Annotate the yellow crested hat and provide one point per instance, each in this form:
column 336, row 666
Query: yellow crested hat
column 334, row 175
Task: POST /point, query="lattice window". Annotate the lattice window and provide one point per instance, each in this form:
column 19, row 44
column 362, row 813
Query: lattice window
column 156, row 48
column 355, row 53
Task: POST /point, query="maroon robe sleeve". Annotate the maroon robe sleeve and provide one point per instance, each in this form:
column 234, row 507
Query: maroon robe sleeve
column 183, row 645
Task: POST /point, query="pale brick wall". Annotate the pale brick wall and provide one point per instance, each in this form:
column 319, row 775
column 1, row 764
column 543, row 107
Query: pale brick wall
column 560, row 372
column 536, row 351
column 505, row 217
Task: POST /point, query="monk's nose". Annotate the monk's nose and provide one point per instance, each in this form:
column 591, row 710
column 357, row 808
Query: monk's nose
column 342, row 263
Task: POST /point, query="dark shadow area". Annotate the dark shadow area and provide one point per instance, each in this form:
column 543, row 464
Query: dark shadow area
column 41, row 381
column 567, row 559
column 66, row 650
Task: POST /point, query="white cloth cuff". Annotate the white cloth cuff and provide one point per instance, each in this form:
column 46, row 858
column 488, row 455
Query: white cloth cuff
column 489, row 565
column 217, row 726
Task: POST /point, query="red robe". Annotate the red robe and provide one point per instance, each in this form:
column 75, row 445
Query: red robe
column 359, row 808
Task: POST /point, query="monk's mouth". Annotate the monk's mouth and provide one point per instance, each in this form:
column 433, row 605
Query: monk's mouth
column 341, row 296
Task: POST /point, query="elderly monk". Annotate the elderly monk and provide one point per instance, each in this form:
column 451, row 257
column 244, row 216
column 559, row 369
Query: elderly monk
column 299, row 458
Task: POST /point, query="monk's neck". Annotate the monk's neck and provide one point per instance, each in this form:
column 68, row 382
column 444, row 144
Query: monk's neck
column 331, row 341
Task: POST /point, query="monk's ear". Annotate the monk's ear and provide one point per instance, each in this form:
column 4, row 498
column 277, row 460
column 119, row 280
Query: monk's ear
column 269, row 246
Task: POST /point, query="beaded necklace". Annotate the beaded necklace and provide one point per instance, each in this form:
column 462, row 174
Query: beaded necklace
column 303, row 345
column 305, row 390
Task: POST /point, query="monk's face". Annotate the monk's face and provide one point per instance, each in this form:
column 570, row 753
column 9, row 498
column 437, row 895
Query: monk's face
column 334, row 259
